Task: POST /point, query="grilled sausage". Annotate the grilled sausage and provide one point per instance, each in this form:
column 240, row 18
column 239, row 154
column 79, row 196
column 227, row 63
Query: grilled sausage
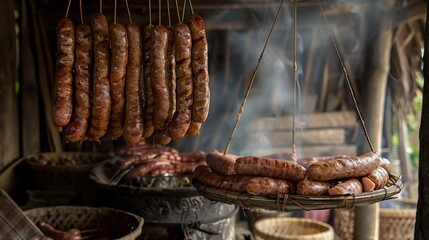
column 222, row 164
column 170, row 69
column 375, row 180
column 158, row 61
column 312, row 188
column 194, row 129
column 344, row 167
column 268, row 186
column 351, row 186
column 161, row 137
column 101, row 102
column 385, row 163
column 234, row 182
column 148, row 109
column 269, row 167
column 134, row 123
column 307, row 161
column 63, row 103
column 193, row 157
column 76, row 129
column 140, row 170
column 118, row 67
column 181, row 120
column 200, row 107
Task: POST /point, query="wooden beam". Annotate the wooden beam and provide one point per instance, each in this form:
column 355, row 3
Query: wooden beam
column 373, row 98
column 422, row 224
column 9, row 124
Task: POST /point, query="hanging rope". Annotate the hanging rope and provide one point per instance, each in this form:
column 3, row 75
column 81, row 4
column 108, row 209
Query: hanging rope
column 249, row 87
column 295, row 68
column 362, row 122
column 129, row 13
column 68, row 8
column 80, row 9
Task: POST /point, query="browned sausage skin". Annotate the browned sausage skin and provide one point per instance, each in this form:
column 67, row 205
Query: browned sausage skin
column 181, row 120
column 268, row 186
column 63, row 103
column 234, row 182
column 222, row 164
column 148, row 108
column 312, row 188
column 351, row 186
column 158, row 61
column 344, row 167
column 118, row 66
column 170, row 70
column 194, row 129
column 375, row 180
column 76, row 129
column 201, row 95
column 269, row 167
column 101, row 102
column 134, row 123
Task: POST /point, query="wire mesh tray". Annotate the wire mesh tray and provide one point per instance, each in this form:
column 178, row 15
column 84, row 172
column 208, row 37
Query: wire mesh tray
column 285, row 202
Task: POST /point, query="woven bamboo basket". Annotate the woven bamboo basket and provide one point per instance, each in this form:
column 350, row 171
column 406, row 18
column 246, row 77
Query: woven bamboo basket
column 285, row 202
column 92, row 222
column 60, row 177
column 289, row 228
column 394, row 222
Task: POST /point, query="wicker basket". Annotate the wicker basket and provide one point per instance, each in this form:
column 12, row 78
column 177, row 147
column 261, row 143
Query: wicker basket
column 292, row 228
column 63, row 177
column 395, row 221
column 90, row 221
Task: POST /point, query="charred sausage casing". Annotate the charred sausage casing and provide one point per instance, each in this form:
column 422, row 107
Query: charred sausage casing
column 269, row 167
column 222, row 164
column 101, row 102
column 201, row 102
column 344, row 167
column 268, row 186
column 158, row 61
column 351, row 186
column 134, row 123
column 148, row 108
column 181, row 120
column 63, row 103
column 312, row 188
column 118, row 66
column 234, row 182
column 76, row 129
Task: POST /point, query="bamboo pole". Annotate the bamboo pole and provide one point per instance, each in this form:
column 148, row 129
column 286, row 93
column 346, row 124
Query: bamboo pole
column 422, row 225
column 373, row 98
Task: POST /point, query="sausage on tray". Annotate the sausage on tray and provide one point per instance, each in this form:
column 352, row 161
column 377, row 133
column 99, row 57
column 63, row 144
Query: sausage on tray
column 375, row 180
column 134, row 124
column 63, row 103
column 118, row 67
column 312, row 188
column 181, row 120
column 101, row 102
column 385, row 163
column 222, row 164
column 344, row 167
column 268, row 186
column 269, row 167
column 76, row 129
column 351, row 186
column 233, row 182
column 141, row 170
column 158, row 75
column 307, row 161
column 201, row 104
column 148, row 108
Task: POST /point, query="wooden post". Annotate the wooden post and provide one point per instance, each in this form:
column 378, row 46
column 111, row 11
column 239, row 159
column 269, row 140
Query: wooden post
column 421, row 231
column 9, row 124
column 373, row 94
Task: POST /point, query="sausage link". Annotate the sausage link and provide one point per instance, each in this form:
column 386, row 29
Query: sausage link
column 140, row 170
column 194, row 129
column 76, row 129
column 307, row 161
column 233, row 182
column 375, row 180
column 201, row 103
column 63, row 103
column 192, row 157
column 268, row 186
column 351, row 186
column 134, row 123
column 161, row 137
column 385, row 163
column 118, row 66
column 222, row 164
column 170, row 69
column 312, row 188
column 344, row 167
column 101, row 102
column 148, row 109
column 158, row 62
column 269, row 167
column 181, row 120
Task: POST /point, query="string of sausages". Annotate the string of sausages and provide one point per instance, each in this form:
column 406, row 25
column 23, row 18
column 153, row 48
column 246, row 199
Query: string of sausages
column 148, row 82
column 311, row 176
